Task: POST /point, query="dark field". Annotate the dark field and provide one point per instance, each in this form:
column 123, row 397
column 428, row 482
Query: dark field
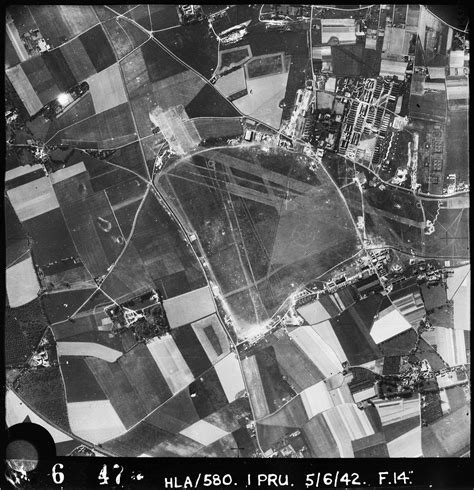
column 275, row 387
column 22, row 18
column 355, row 60
column 130, row 157
column 367, row 308
column 209, row 128
column 115, row 384
column 104, row 56
column 400, row 345
column 163, row 16
column 352, row 330
column 175, row 414
column 428, row 107
column 372, row 446
column 143, row 374
column 16, row 240
column 244, row 443
column 41, row 79
column 265, row 205
column 78, row 60
column 82, row 324
column 194, row 45
column 159, row 63
column 191, row 349
column 109, row 129
column 58, row 67
column 319, row 438
column 265, row 66
column 141, row 15
column 11, row 58
column 210, row 103
column 397, row 429
column 103, row 338
column 52, row 240
column 207, row 394
column 80, row 383
column 59, row 306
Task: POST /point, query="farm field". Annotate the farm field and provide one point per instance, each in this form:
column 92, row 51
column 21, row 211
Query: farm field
column 182, row 43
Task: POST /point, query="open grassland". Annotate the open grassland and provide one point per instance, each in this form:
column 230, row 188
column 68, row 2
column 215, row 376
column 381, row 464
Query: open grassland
column 254, row 216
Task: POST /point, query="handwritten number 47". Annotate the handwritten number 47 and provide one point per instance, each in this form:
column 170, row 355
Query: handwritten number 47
column 104, row 479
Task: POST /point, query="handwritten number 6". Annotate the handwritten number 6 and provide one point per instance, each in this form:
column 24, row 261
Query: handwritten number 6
column 58, row 476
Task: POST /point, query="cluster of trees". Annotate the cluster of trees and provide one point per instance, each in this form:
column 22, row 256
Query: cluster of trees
column 155, row 324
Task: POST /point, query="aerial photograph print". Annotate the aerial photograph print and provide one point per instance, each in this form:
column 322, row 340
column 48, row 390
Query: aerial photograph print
column 238, row 231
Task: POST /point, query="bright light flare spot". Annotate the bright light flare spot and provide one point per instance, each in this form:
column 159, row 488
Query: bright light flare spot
column 63, row 99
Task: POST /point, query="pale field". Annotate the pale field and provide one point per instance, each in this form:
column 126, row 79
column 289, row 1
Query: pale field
column 254, row 382
column 171, row 363
column 22, row 283
column 395, row 411
column 203, row 432
column 189, row 307
column 326, row 332
column 33, row 199
column 67, row 172
column 230, row 376
column 316, row 399
column 317, row 350
column 90, row 349
column 407, row 445
column 389, row 323
column 94, row 421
